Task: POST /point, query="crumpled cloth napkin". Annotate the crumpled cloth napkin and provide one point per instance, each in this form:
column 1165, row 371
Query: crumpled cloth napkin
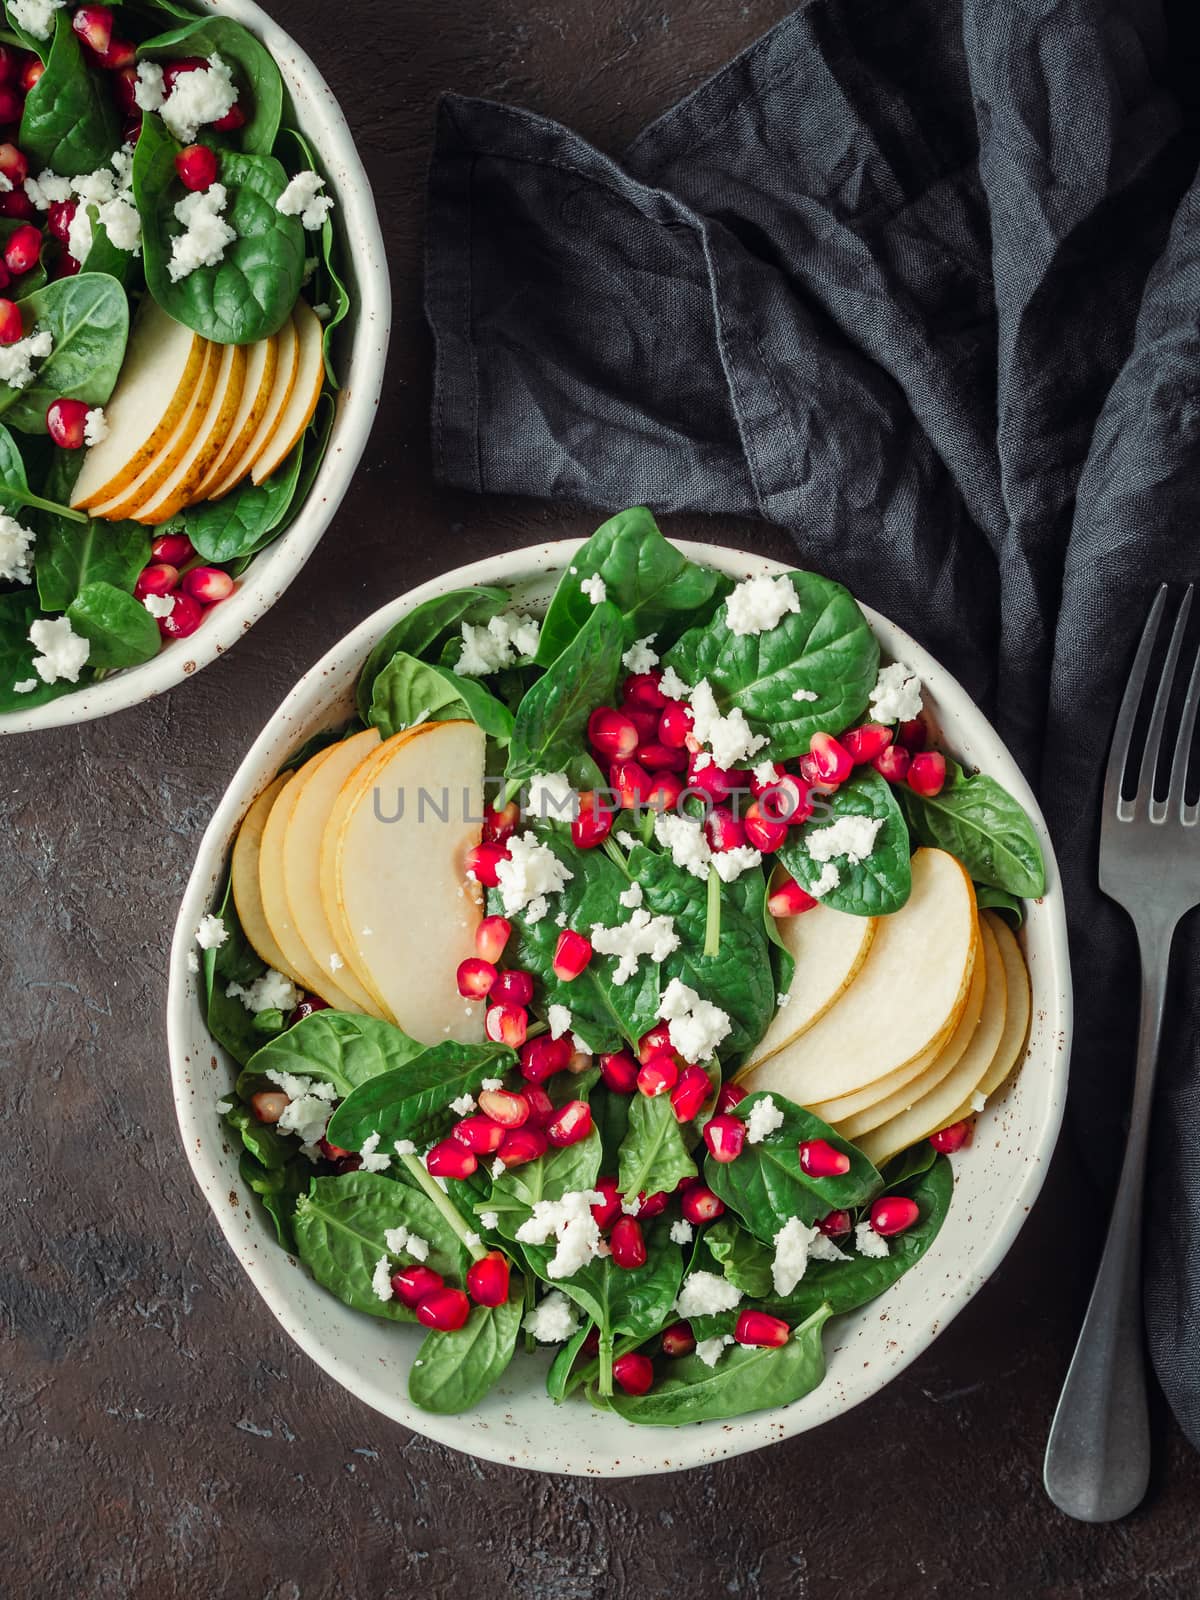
column 919, row 282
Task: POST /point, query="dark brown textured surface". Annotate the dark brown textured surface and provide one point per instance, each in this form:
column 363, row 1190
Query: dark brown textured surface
column 159, row 1435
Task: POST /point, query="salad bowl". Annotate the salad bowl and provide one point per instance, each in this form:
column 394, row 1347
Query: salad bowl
column 997, row 1179
column 359, row 354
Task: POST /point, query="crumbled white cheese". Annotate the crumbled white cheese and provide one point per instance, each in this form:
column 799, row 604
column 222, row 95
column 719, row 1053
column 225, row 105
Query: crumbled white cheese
column 730, row 738
column 631, row 898
column 684, row 838
column 673, row 686
column 870, row 1243
column 805, row 694
column 822, row 1248
column 16, row 551
column 25, row 685
column 303, row 198
column 206, row 233
column 553, row 1320
column 149, row 91
column 696, row 1027
column 706, row 1294
column 47, row 190
column 711, row 1350
column 271, row 992
column 211, row 932
column 793, row 1245
column 159, row 605
column 199, row 97
column 730, row 864
column 642, row 935
column 681, row 1231
column 307, row 1111
column 492, row 1083
column 759, row 604
column 399, row 1240
column 640, row 657
column 827, row 880
column 782, row 1000
column 595, row 588
column 95, row 426
column 552, row 797
column 896, row 696
column 122, row 224
column 373, row 1160
column 35, row 16
column 507, row 638
column 471, row 1239
column 571, row 1223
column 978, row 1101
column 322, row 311
column 765, row 1116
column 405, row 1147
column 498, row 1169
column 381, row 1279
column 463, row 1106
column 559, row 1018
column 489, row 1220
column 531, row 872
column 79, row 233
column 335, row 962
column 850, row 836
column 766, row 773
column 16, row 360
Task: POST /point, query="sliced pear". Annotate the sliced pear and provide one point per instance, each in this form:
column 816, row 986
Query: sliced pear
column 158, row 377
column 906, row 999
column 287, row 353
column 933, row 1110
column 317, row 786
column 180, row 488
column 405, row 879
column 243, row 872
column 262, row 362
column 306, row 391
column 1016, row 1021
column 828, row 947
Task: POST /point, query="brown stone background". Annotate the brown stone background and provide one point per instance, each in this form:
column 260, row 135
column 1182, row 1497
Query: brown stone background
column 160, row 1436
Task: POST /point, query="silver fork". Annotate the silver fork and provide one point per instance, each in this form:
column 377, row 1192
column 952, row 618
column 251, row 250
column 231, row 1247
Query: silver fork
column 1098, row 1454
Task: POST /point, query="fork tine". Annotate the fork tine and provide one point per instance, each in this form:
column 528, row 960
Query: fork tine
column 1118, row 754
column 1158, row 717
column 1181, row 760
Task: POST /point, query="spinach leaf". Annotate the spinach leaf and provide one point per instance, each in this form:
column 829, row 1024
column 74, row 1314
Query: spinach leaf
column 250, row 292
column 413, row 1100
column 981, row 825
column 552, row 718
column 610, row 1118
column 766, row 1185
column 340, row 1227
column 28, row 41
column 875, row 886
column 235, row 961
column 558, row 1172
column 237, row 524
column 658, row 590
column 743, row 1259
column 70, row 556
column 260, row 86
column 269, row 1147
column 744, row 1379
column 454, row 1370
column 88, row 319
column 17, row 613
column 333, row 1047
column 105, row 256
column 424, row 630
column 312, row 452
column 278, row 1189
column 825, row 648
column 999, row 900
column 15, row 493
column 910, row 1163
column 70, row 122
column 122, row 632
column 409, row 691
column 653, row 1154
column 559, row 1376
column 328, row 285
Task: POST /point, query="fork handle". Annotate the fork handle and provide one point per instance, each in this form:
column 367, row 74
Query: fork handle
column 1098, row 1454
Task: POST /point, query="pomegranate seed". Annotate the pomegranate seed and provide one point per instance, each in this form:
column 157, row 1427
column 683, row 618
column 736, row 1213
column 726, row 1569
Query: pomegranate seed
column 513, row 987
column 157, row 578
column 700, row 1204
column 233, row 119
column 757, row 1328
column 491, row 936
column 631, row 782
column 866, row 742
column 499, row 826
column 730, row 1095
column 476, row 978
column 94, row 25
column 10, row 63
column 23, row 249
column 487, row 1279
column 31, row 74
column 11, row 327
column 502, row 1106
column 450, row 1160
column 723, row 830
column 120, row 55
column 571, row 954
column 542, row 1057
column 892, row 763
column 541, row 1107
column 633, row 1372
column 209, row 585
column 952, row 1138
column 725, row 1135
column 59, row 219
column 522, row 1145
column 309, row 1006
column 835, row 1224
column 174, row 548
column 347, row 1164
column 606, row 1211
column 581, row 1061
column 652, row 1205
column 612, row 733
column 643, row 689
column 831, row 760
column 593, row 824
column 12, row 104
column 619, row 1072
column 572, row 1123
column 507, row 1025
column 656, row 1042
column 196, row 165
column 894, row 1213
column 788, row 899
column 411, row 1284
column 927, row 773
column 819, row 1159
column 482, row 862
column 675, row 724
column 176, row 69
column 16, row 204
column 690, row 1093
column 269, row 1105
column 645, row 721
column 124, row 83
column 661, row 758
column 763, row 833
column 65, row 267
column 65, row 420
column 913, row 735
column 480, row 1135
column 658, row 1076
column 5, row 276
column 14, row 164
column 665, row 791
column 332, row 1152
column 444, row 1309
column 718, row 783
column 678, row 1339
column 787, row 801
column 627, row 1244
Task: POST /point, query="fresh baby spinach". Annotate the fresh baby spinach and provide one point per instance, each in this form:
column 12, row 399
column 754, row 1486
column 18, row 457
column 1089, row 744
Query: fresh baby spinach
column 653, row 1154
column 552, row 718
column 409, row 691
column 882, row 881
column 15, row 493
column 278, row 1189
column 71, row 554
column 327, row 285
column 413, row 1100
column 17, row 612
column 1006, row 905
column 234, row 961
column 425, row 630
column 334, row 1047
column 453, row 1370
column 70, row 122
column 558, row 1172
column 87, row 317
column 269, row 1147
column 119, row 628
column 826, row 648
column 980, row 824
column 237, row 523
column 558, row 1379
column 258, row 80
column 743, row 1259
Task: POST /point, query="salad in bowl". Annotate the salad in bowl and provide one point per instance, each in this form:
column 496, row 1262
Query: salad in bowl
column 624, row 978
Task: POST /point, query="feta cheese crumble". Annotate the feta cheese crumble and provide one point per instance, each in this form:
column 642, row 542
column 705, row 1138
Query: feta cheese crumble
column 791, row 1254
column 711, row 1350
column 463, row 1106
column 765, row 1116
column 400, row 1240
column 553, row 1320
column 531, row 872
column 569, row 1221
column 684, row 838
column 673, row 686
column 706, row 1294
column 804, row 695
column 16, row 360
column 307, row 1111
column 196, row 98
column 489, row 1220
column 870, row 1243
column 62, row 653
column 559, row 1018
column 695, row 1026
column 271, row 992
column 373, row 1160
column 730, row 864
column 35, row 16
column 95, row 425
column 827, row 880
column 25, row 686
column 405, row 1147
column 642, row 935
column 507, row 639
column 552, row 797
column 159, row 605
column 896, row 696
column 852, row 837
column 595, row 588
column 16, row 551
column 759, row 604
column 47, row 190
column 303, row 198
column 730, row 738
column 978, row 1101
column 206, row 233
column 681, row 1231
column 492, row 1083
column 211, row 932
column 641, row 656
column 381, row 1279
column 149, row 90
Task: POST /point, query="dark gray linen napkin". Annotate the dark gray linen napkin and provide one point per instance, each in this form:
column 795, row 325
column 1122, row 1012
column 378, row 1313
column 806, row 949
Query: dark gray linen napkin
column 920, row 282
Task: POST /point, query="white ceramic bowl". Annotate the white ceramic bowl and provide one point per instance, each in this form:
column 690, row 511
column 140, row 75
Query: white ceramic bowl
column 997, row 1179
column 362, row 354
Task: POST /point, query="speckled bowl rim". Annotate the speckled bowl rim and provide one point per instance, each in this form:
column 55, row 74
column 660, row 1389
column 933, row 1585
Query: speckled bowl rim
column 518, row 1425
column 363, row 351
